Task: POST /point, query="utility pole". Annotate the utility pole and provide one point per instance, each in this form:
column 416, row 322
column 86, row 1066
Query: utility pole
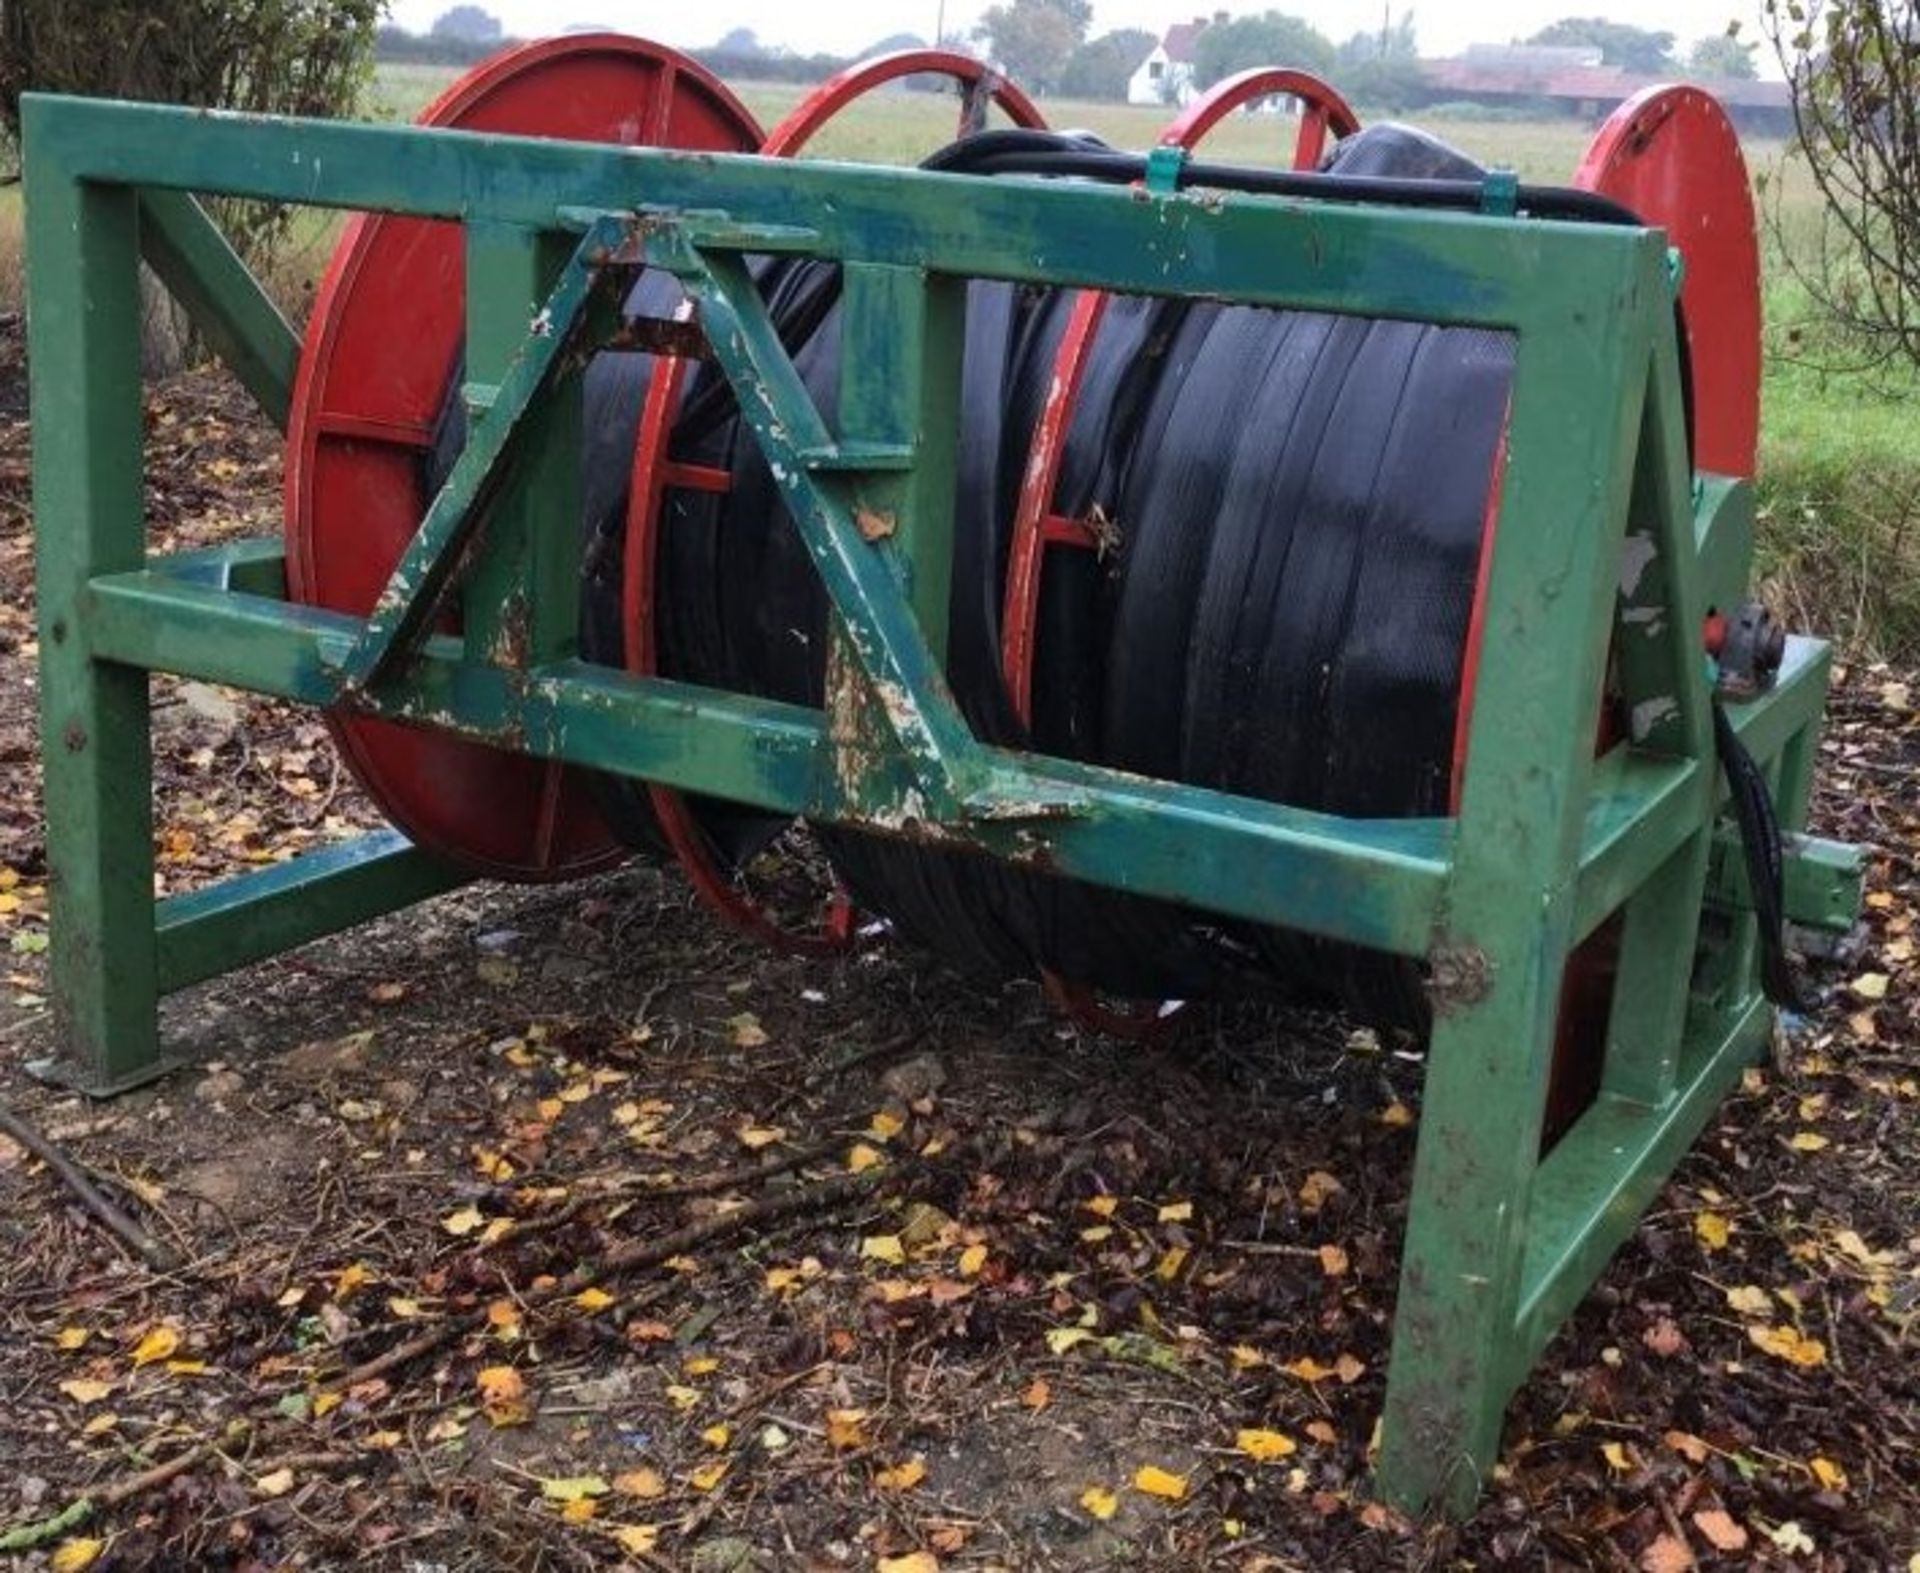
column 939, row 23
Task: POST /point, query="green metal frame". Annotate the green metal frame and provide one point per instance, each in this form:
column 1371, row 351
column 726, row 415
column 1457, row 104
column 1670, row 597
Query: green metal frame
column 1549, row 842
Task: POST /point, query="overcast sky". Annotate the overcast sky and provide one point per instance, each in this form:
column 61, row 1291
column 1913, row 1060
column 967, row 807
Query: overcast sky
column 843, row 26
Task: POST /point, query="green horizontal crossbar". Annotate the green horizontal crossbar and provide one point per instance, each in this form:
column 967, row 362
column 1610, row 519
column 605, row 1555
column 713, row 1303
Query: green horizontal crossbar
column 1371, row 882
column 253, row 916
column 1822, row 880
column 254, row 566
column 1592, row 1189
column 1465, row 268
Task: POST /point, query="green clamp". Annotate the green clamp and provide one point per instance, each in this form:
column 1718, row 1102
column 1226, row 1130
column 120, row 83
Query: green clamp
column 1500, row 193
column 1165, row 166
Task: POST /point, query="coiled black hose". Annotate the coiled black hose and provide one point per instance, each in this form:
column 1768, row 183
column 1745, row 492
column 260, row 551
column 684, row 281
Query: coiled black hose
column 1298, row 502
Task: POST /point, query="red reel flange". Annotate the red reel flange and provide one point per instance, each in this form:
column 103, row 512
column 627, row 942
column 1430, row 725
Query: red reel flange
column 656, row 472
column 1038, row 524
column 386, row 329
column 1673, row 157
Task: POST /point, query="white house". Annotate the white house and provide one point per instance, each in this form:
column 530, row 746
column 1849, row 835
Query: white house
column 1166, row 75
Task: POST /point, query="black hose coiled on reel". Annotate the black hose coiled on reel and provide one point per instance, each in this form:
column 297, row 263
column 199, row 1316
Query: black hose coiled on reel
column 1299, row 502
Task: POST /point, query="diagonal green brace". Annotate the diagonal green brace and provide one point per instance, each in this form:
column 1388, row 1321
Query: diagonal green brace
column 225, row 302
column 903, row 678
column 437, row 555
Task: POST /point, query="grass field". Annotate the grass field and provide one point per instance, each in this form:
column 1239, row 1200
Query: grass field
column 1840, row 481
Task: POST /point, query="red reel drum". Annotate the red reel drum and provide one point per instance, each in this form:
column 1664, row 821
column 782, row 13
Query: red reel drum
column 387, row 328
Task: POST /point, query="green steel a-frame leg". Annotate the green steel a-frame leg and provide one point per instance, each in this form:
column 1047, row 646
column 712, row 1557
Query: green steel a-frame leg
column 84, row 343
column 1506, row 922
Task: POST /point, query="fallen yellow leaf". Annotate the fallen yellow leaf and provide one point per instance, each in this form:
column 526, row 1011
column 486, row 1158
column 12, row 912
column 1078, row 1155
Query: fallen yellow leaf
column 638, row 1539
column 463, row 1222
column 1317, row 1189
column 1169, row 1265
column 157, row 1345
column 747, row 1031
column 861, row 1157
column 717, row 1437
column 972, row 1259
column 758, row 1136
column 1101, row 1206
column 707, row 1476
column 1618, row 1458
column 83, row 1390
column 902, row 1477
column 491, row 1165
column 1176, row 1212
column 846, row 1428
column 76, row 1555
column 573, row 1488
column 1749, row 1300
column 1786, row 1343
column 643, row 1484
column 275, row 1484
column 1808, row 1141
column 1688, row 1446
column 593, row 1299
column 1158, row 1482
column 71, row 1338
column 1828, row 1473
column 884, row 1248
column 1038, row 1394
column 1396, row 1116
column 1061, row 1339
column 1100, row 1502
column 1712, row 1230
column 1333, row 1260
column 503, row 1394
column 503, row 1316
column 1264, row 1446
column 885, row 1125
column 1719, row 1527
column 912, row 1562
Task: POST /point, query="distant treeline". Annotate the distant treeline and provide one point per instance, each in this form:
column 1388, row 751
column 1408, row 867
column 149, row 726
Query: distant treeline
column 423, row 49
column 396, row 44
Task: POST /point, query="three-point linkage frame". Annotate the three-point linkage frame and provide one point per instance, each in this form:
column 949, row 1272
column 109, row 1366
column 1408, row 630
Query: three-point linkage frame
column 1549, row 842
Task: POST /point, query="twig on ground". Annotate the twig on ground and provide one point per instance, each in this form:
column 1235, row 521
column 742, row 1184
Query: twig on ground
column 633, row 1256
column 27, row 1536
column 69, row 1173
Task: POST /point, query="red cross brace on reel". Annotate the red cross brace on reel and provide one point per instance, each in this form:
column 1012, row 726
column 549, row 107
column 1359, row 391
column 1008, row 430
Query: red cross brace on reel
column 1037, row 522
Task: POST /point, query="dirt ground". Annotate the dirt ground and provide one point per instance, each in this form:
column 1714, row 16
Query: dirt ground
column 561, row 1228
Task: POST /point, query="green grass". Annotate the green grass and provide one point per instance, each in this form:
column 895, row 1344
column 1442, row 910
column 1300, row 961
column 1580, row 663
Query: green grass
column 1839, row 487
